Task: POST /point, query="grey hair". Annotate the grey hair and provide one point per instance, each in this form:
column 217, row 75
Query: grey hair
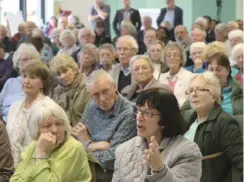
column 236, row 49
column 144, row 57
column 69, row 33
column 130, row 27
column 41, row 112
column 201, row 45
column 96, row 76
column 203, row 22
column 182, row 52
column 212, row 83
column 109, row 47
column 223, row 28
column 25, row 49
column 92, row 50
column 132, row 41
column 235, row 33
column 82, row 30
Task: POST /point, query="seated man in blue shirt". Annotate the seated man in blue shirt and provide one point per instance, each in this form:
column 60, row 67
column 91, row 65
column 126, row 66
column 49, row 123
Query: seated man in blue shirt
column 107, row 122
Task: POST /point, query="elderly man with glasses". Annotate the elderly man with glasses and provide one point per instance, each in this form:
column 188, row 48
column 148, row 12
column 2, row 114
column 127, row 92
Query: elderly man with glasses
column 107, row 122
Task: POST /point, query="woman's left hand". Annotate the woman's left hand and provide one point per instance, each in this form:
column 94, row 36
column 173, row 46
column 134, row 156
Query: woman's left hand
column 152, row 156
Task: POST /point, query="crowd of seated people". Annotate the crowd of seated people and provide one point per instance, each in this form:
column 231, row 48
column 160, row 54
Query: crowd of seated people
column 161, row 104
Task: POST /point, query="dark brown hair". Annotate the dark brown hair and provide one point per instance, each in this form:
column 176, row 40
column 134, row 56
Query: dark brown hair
column 40, row 70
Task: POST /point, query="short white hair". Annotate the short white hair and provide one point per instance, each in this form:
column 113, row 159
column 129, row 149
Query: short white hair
column 25, row 49
column 236, row 49
column 235, row 34
column 212, row 83
column 67, row 33
column 98, row 75
column 203, row 21
column 41, row 112
column 144, row 57
column 201, row 45
column 203, row 32
column 131, row 40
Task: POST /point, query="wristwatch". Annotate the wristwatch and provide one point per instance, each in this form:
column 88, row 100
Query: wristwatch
column 87, row 143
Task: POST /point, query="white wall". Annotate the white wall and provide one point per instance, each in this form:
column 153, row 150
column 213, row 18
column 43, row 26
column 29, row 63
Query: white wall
column 80, row 8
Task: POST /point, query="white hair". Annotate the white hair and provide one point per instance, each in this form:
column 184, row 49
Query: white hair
column 211, row 82
column 129, row 27
column 236, row 50
column 25, row 49
column 41, row 112
column 67, row 33
column 203, row 32
column 201, row 45
column 233, row 23
column 144, row 57
column 235, row 34
column 203, row 21
column 223, row 28
column 130, row 39
column 96, row 76
column 85, row 30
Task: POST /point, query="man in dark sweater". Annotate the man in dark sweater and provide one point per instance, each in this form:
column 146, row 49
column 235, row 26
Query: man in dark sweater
column 126, row 48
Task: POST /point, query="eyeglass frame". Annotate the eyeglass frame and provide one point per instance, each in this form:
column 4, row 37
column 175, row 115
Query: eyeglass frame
column 150, row 114
column 196, row 90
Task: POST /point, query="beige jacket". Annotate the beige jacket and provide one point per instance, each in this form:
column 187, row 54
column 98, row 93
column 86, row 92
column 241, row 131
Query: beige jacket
column 182, row 159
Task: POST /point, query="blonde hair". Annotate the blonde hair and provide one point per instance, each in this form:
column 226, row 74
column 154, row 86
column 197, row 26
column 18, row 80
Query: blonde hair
column 211, row 82
column 213, row 48
column 67, row 33
column 63, row 61
column 236, row 49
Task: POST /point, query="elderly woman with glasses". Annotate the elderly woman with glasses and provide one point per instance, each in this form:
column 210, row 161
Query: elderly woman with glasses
column 196, row 52
column 159, row 152
column 88, row 58
column 68, row 41
column 155, row 52
column 217, row 133
column 142, row 74
column 177, row 78
column 70, row 93
column 53, row 155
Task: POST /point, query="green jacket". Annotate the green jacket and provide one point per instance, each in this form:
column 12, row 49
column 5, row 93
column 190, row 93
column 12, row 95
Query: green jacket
column 219, row 133
column 68, row 163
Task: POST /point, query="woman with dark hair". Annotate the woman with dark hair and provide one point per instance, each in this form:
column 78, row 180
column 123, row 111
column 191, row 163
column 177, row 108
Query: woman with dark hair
column 101, row 36
column 163, row 35
column 232, row 92
column 159, row 152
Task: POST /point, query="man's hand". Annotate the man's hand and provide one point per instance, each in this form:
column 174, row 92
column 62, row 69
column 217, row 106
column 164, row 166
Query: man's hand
column 80, row 132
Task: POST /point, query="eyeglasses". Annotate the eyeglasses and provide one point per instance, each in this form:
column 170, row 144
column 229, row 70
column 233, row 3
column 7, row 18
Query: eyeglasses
column 196, row 90
column 104, row 92
column 147, row 114
column 125, row 49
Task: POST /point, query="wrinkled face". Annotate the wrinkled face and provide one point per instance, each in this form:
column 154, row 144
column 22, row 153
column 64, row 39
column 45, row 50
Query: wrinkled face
column 104, row 94
column 85, row 60
column 149, row 37
column 141, row 71
column 68, row 41
column 31, row 84
column 146, row 23
column 99, row 30
column 66, row 76
column 235, row 40
column 106, row 57
column 219, row 35
column 2, row 32
column 86, row 38
column 197, row 36
column 197, row 52
column 239, row 58
column 156, row 52
column 220, row 71
column 161, row 34
column 54, row 126
column 173, row 57
column 180, row 33
column 125, row 51
column 1, row 53
column 200, row 97
column 147, row 120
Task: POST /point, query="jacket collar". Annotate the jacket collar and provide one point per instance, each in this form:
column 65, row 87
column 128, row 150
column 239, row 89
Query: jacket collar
column 179, row 75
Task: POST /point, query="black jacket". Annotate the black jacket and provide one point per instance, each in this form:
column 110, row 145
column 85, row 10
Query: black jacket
column 100, row 40
column 134, row 17
column 178, row 20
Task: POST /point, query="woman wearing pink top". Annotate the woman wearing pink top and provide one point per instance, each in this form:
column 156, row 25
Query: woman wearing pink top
column 177, row 78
